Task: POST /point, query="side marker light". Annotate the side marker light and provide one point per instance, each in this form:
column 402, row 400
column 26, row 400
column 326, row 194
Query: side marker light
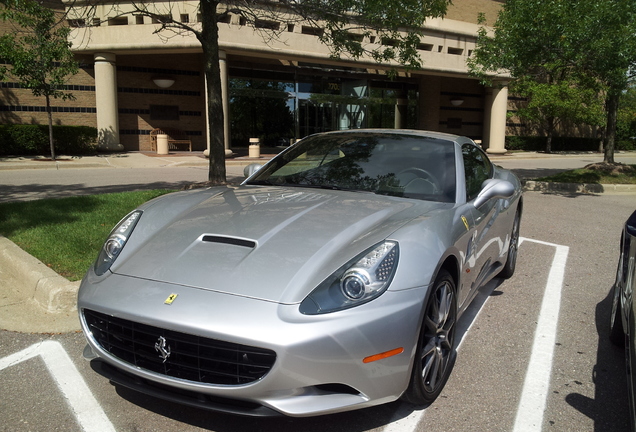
column 383, row 355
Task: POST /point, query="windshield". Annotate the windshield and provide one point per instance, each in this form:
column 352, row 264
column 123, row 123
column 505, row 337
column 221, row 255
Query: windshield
column 399, row 165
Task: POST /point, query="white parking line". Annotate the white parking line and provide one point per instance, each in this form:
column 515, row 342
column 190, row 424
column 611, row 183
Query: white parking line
column 86, row 409
column 535, row 388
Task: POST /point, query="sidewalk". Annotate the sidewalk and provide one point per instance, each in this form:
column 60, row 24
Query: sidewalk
column 131, row 160
column 184, row 159
column 239, row 158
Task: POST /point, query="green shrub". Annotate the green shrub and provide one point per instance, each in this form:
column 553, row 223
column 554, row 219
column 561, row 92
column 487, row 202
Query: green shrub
column 23, row 140
column 75, row 139
column 26, row 140
column 532, row 143
column 526, row 143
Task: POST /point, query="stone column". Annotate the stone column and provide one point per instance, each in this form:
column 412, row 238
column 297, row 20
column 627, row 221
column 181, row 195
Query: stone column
column 106, row 97
column 401, row 108
column 498, row 112
column 485, row 133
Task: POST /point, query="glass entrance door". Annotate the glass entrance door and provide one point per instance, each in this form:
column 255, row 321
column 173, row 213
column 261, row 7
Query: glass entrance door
column 314, row 117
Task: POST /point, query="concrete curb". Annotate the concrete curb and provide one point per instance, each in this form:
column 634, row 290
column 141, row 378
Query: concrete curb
column 577, row 188
column 41, row 285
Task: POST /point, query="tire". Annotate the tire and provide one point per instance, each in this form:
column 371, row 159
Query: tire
column 435, row 354
column 513, row 249
column 616, row 331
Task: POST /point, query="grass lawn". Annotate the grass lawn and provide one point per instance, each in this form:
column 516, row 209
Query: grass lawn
column 596, row 173
column 67, row 233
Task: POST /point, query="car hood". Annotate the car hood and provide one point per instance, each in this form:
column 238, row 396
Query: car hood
column 270, row 243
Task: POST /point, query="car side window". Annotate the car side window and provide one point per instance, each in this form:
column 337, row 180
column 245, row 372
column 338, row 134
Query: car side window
column 477, row 168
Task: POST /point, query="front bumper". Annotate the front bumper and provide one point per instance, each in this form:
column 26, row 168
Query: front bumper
column 184, row 397
column 319, row 366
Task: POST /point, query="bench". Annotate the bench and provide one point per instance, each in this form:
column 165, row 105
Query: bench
column 176, row 139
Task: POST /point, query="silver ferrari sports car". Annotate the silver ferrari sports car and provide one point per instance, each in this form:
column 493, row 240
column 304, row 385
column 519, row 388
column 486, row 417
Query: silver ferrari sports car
column 331, row 279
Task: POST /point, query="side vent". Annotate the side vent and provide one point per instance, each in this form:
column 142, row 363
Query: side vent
column 229, row 240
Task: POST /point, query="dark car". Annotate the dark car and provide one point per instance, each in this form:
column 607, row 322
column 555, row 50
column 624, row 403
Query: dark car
column 622, row 321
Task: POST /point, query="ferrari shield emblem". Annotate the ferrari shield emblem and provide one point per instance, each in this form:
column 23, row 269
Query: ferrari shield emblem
column 465, row 223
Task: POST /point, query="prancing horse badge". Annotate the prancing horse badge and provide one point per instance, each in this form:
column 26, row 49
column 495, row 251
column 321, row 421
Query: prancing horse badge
column 170, row 299
column 162, row 347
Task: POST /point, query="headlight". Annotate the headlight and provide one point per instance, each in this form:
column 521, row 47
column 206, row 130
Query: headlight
column 360, row 280
column 115, row 242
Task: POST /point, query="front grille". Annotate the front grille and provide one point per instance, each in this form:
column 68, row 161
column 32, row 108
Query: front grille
column 191, row 358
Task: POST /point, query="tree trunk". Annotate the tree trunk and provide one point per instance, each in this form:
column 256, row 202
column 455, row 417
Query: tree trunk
column 610, row 132
column 209, row 39
column 550, row 133
column 50, row 116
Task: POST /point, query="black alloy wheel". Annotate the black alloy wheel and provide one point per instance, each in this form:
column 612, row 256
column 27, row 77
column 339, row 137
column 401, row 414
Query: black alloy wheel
column 435, row 354
column 617, row 333
column 513, row 249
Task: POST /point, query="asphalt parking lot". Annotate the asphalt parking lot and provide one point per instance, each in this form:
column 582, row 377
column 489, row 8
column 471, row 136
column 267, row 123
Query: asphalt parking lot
column 506, row 378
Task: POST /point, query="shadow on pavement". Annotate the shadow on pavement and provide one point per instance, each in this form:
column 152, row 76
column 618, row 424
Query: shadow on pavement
column 609, row 408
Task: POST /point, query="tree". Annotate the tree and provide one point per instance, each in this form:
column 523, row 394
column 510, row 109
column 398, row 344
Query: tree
column 38, row 52
column 607, row 41
column 626, row 118
column 551, row 103
column 585, row 45
column 394, row 23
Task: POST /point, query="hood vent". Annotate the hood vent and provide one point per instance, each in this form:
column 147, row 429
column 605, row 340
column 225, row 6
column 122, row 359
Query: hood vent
column 229, row 240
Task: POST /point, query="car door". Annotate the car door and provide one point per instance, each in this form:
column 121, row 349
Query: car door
column 483, row 247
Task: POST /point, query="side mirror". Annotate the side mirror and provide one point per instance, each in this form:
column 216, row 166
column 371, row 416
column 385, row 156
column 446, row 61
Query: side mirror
column 251, row 169
column 493, row 188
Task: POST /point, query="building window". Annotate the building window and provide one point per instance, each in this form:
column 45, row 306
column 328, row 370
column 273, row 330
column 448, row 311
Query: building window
column 117, row 21
column 267, row 25
column 161, row 19
column 76, row 23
